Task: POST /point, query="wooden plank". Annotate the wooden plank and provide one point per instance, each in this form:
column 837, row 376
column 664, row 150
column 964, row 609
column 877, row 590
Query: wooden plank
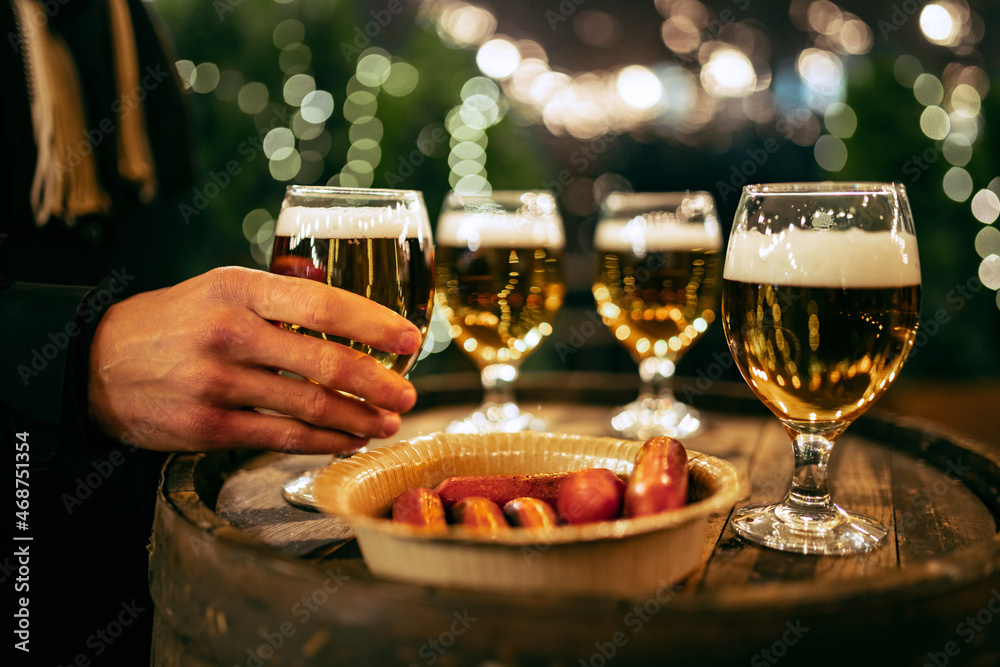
column 861, row 481
column 734, row 440
column 936, row 513
column 737, row 562
column 368, row 621
column 250, row 500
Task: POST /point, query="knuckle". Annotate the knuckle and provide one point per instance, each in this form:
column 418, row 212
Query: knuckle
column 319, row 308
column 223, row 333
column 329, row 362
column 204, row 424
column 315, row 406
column 292, row 438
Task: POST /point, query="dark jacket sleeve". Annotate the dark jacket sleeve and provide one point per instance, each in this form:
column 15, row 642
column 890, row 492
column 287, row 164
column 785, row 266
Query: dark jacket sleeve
column 45, row 340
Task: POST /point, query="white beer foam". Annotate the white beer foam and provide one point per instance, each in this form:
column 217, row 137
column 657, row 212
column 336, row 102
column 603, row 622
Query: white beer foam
column 637, row 236
column 852, row 258
column 349, row 222
column 499, row 230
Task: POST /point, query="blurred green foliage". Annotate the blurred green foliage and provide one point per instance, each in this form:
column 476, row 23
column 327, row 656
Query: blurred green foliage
column 960, row 318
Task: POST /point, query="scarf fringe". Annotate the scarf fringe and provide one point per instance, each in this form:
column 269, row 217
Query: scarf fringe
column 66, row 184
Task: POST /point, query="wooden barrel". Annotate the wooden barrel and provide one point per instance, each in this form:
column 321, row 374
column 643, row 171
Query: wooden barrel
column 240, row 578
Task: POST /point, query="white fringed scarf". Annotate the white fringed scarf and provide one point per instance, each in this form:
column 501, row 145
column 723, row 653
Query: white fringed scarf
column 66, row 183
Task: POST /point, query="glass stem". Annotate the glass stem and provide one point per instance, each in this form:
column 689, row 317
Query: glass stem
column 657, row 379
column 809, row 489
column 498, row 383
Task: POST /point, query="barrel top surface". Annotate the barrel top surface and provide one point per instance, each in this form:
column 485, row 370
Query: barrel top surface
column 937, row 492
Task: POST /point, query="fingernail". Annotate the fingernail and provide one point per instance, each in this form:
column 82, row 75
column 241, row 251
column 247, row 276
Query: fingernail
column 407, row 399
column 390, row 424
column 409, row 341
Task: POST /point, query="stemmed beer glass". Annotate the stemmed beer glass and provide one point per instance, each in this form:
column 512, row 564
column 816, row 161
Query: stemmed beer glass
column 376, row 243
column 499, row 286
column 657, row 290
column 821, row 292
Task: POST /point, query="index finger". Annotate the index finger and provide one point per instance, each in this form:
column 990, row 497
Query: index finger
column 333, row 311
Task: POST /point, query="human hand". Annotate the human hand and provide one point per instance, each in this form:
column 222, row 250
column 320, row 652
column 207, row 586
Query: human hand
column 180, row 368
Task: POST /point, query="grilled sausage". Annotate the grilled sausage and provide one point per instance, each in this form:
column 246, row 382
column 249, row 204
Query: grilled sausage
column 530, row 513
column 659, row 480
column 501, row 489
column 420, row 507
column 478, row 513
column 590, row 495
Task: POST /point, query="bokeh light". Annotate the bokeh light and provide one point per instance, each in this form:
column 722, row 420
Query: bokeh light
column 498, row 58
column 638, row 87
column 986, row 206
column 934, row 122
column 958, row 184
column 940, row 24
column 728, row 73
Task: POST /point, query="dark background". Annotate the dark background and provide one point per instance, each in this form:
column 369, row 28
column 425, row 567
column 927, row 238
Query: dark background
column 953, row 374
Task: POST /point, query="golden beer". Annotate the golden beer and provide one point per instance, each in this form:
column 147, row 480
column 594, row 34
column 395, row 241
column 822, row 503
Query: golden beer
column 394, row 268
column 819, row 354
column 658, row 304
column 820, row 340
column 499, row 300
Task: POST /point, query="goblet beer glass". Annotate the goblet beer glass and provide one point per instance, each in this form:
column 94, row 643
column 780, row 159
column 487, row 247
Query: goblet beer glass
column 376, row 243
column 499, row 286
column 657, row 290
column 820, row 300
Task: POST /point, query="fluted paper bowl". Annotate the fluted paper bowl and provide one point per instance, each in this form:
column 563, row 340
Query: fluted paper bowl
column 625, row 557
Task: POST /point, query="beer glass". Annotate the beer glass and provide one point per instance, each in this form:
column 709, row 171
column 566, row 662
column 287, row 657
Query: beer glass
column 376, row 243
column 820, row 299
column 657, row 290
column 499, row 285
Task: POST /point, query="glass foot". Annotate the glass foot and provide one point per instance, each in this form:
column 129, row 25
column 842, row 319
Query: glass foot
column 298, row 490
column 497, row 418
column 650, row 417
column 829, row 531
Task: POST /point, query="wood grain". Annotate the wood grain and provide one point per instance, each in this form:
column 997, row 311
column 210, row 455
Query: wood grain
column 230, row 563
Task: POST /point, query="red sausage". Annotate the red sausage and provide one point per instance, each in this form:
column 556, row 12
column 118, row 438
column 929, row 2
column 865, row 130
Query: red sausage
column 659, row 479
column 420, row 507
column 590, row 495
column 501, row 489
column 478, row 513
column 530, row 513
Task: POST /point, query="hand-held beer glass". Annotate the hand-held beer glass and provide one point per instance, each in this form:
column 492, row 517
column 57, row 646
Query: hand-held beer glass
column 376, row 243
column 820, row 300
column 499, row 286
column 657, row 290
